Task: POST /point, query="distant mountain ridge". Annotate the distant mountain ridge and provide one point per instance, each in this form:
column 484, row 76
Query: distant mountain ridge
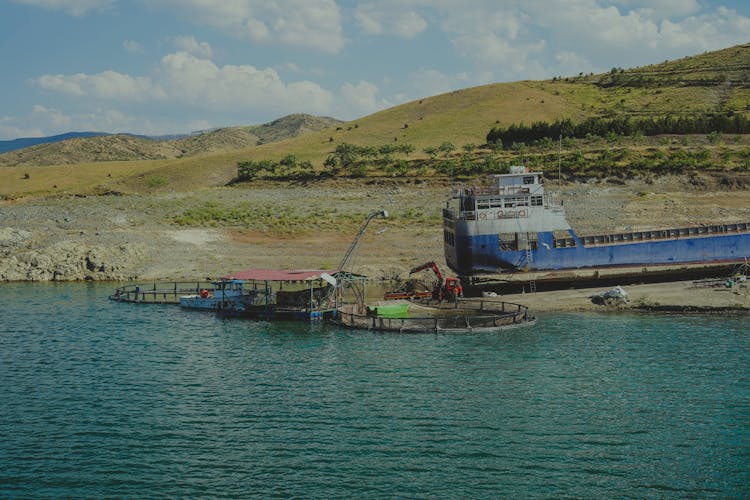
column 27, row 142
column 85, row 147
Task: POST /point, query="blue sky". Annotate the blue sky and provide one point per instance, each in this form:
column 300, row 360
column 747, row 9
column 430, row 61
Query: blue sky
column 172, row 66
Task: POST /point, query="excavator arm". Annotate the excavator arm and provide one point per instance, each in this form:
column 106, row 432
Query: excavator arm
column 430, row 265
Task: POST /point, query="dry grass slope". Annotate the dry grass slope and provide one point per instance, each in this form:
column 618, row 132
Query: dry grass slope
column 125, row 147
column 710, row 82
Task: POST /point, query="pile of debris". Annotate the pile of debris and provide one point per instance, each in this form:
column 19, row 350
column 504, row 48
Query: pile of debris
column 614, row 297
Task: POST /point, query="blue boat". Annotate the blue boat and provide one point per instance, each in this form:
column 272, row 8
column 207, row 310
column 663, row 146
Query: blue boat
column 514, row 225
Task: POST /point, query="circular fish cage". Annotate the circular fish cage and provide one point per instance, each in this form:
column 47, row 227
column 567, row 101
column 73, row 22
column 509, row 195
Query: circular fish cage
column 462, row 316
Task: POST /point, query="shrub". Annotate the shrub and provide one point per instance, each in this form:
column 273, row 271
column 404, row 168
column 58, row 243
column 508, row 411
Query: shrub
column 156, row 181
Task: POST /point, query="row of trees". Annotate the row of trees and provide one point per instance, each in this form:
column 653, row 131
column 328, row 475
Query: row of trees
column 392, row 159
column 288, row 168
column 715, row 123
column 353, row 161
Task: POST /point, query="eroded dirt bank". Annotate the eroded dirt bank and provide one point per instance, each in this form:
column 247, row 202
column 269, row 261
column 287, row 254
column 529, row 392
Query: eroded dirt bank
column 137, row 237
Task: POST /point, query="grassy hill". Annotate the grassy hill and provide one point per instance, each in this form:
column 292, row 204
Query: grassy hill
column 126, row 147
column 711, row 82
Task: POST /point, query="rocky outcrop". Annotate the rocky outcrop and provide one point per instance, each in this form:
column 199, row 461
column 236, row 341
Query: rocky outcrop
column 66, row 260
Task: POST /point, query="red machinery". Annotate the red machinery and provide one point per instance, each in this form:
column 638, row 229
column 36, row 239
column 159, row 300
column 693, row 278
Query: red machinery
column 443, row 289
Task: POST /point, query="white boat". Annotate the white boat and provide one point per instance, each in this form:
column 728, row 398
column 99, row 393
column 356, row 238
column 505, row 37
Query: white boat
column 226, row 295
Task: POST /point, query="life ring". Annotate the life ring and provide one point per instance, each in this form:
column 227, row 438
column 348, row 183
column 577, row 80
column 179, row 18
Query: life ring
column 499, row 214
column 482, row 215
column 204, row 294
column 522, row 213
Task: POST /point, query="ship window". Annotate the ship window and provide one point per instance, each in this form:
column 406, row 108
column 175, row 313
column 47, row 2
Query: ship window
column 449, row 238
column 528, row 179
column 507, row 241
column 520, row 201
column 536, row 201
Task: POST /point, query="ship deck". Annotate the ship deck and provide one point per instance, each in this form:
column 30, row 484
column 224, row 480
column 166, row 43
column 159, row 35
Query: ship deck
column 655, row 235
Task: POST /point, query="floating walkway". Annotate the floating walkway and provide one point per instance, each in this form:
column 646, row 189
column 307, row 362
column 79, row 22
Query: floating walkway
column 159, row 292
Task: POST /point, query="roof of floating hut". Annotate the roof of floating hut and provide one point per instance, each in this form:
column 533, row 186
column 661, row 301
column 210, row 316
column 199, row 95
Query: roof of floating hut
column 278, row 275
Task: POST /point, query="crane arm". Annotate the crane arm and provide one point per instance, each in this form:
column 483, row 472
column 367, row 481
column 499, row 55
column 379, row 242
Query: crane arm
column 429, row 265
column 355, row 243
column 335, row 283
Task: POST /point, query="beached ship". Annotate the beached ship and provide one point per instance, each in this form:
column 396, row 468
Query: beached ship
column 514, row 225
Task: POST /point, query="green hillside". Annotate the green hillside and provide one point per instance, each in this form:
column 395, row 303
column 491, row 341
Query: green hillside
column 714, row 82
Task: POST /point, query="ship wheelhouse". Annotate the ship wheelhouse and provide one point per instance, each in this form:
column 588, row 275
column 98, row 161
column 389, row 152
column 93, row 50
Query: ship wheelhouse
column 512, row 213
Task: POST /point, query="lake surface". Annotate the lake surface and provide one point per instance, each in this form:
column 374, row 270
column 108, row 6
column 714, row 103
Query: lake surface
column 103, row 399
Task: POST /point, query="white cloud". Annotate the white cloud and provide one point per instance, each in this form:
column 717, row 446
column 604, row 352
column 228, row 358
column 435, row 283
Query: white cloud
column 191, row 45
column 312, row 24
column 719, row 29
column 357, row 99
column 10, row 130
column 75, row 8
column 525, row 39
column 105, row 85
column 188, row 80
column 196, row 125
column 44, row 121
column 389, row 18
column 195, row 80
column 429, row 82
column 132, row 46
column 659, row 9
column 51, row 116
column 61, row 83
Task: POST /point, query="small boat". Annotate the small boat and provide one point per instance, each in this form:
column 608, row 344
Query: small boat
column 226, row 295
column 394, row 309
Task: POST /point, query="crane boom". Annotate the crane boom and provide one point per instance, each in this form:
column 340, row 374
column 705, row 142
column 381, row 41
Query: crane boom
column 336, row 284
column 444, row 288
column 355, row 243
column 430, row 265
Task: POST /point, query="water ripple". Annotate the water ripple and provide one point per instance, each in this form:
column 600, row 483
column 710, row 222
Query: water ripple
column 113, row 400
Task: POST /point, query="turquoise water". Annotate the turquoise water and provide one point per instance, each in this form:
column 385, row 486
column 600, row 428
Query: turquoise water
column 101, row 399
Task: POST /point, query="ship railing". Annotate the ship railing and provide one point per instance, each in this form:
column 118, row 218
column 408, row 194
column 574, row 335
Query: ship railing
column 655, row 235
column 459, row 215
column 458, row 192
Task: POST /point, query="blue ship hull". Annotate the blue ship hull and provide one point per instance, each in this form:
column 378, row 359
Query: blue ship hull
column 514, row 225
column 481, row 254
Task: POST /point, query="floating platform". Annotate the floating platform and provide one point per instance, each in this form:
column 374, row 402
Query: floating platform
column 159, row 292
column 268, row 294
column 462, row 316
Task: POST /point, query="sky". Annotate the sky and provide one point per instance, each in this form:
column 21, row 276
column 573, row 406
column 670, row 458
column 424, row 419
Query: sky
column 175, row 66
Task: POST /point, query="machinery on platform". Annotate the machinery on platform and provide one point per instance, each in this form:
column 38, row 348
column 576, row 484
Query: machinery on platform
column 442, row 288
